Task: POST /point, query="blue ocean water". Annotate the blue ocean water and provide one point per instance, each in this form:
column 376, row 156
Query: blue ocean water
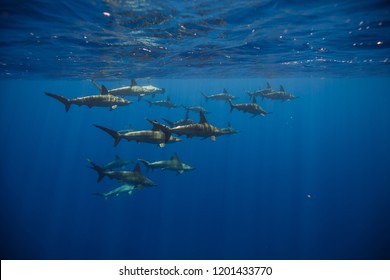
column 309, row 181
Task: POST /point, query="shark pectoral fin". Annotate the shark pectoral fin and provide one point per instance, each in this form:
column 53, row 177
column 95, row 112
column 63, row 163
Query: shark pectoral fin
column 204, row 138
column 162, row 145
column 130, row 192
column 253, row 116
column 179, row 172
column 213, row 138
column 113, row 107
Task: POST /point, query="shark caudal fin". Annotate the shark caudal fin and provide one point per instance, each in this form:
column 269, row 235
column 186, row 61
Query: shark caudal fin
column 205, row 96
column 67, row 102
column 115, row 134
column 249, row 94
column 146, row 163
column 101, row 195
column 149, row 102
column 232, row 106
column 159, row 126
column 171, row 124
column 98, row 169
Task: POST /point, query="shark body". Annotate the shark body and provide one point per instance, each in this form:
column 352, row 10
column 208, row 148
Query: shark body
column 154, row 136
column 102, row 100
column 117, row 163
column 133, row 90
column 172, row 164
column 184, row 121
column 117, row 191
column 261, row 92
column 130, row 177
column 252, row 108
column 163, row 103
column 201, row 129
column 196, row 109
column 280, row 95
column 224, row 96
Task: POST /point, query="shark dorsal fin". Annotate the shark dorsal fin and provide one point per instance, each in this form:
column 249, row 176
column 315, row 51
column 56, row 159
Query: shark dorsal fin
column 186, row 115
column 133, row 82
column 137, row 169
column 281, row 88
column 254, row 99
column 155, row 127
column 117, row 157
column 104, row 90
column 225, row 91
column 168, row 99
column 229, row 125
column 268, row 85
column 175, row 157
column 202, row 118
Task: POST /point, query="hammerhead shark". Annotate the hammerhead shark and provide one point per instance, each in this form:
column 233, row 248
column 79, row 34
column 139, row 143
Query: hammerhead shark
column 163, row 103
column 103, row 100
column 117, row 191
column 252, row 108
column 154, row 136
column 133, row 90
column 261, row 92
column 117, row 163
column 131, row 177
column 172, row 164
column 196, row 109
column 280, row 95
column 224, row 96
column 201, row 129
column 184, row 121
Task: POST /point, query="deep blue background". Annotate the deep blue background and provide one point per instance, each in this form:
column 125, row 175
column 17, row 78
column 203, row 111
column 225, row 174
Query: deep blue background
column 247, row 199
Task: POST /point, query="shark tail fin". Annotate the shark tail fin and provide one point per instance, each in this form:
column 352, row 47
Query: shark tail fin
column 146, row 163
column 171, row 124
column 115, row 134
column 98, row 169
column 67, row 102
column 101, row 195
column 231, row 105
column 249, row 94
column 149, row 102
column 205, row 96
